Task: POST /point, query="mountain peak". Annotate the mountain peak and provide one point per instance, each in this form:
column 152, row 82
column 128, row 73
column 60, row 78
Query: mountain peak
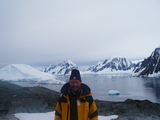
column 156, row 52
column 149, row 66
column 62, row 68
column 113, row 63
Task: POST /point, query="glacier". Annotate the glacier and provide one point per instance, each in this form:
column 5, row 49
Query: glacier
column 26, row 73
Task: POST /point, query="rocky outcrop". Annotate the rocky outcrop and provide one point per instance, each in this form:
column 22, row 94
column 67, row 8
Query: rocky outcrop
column 17, row 99
column 130, row 109
column 150, row 66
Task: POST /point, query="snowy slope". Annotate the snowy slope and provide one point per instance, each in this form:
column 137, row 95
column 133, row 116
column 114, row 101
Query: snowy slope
column 136, row 61
column 50, row 116
column 23, row 72
column 62, row 68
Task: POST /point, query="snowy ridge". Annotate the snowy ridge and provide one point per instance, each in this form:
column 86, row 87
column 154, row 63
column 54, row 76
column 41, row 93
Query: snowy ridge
column 62, row 68
column 114, row 64
column 137, row 61
column 23, row 72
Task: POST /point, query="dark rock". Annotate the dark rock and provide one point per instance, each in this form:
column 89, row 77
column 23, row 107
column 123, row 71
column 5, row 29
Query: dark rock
column 137, row 116
column 15, row 99
column 149, row 65
column 130, row 109
column 8, row 117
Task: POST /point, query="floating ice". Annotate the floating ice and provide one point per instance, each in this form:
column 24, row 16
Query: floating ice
column 113, row 92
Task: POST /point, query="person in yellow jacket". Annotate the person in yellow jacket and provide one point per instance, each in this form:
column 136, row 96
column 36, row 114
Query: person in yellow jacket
column 76, row 101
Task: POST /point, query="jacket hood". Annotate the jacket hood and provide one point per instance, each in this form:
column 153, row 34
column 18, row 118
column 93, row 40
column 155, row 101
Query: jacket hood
column 85, row 89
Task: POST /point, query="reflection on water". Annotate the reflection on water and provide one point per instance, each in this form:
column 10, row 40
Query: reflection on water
column 154, row 85
column 129, row 87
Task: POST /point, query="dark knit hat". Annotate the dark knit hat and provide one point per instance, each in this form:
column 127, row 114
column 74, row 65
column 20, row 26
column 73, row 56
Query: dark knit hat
column 75, row 74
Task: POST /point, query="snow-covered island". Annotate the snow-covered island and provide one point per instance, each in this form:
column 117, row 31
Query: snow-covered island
column 26, row 73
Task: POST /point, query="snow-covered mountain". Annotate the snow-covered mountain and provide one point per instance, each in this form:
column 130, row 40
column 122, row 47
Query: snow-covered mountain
column 135, row 62
column 62, row 68
column 149, row 67
column 23, row 72
column 111, row 65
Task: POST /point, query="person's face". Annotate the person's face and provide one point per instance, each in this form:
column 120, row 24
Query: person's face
column 75, row 85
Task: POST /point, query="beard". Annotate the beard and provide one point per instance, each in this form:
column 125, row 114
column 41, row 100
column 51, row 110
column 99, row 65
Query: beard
column 75, row 88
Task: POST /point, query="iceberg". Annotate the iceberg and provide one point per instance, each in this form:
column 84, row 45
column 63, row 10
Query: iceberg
column 113, row 92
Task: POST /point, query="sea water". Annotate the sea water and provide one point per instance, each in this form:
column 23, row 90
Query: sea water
column 129, row 87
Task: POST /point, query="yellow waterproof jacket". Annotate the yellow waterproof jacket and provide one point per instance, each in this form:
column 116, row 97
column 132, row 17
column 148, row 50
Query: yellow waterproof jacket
column 86, row 106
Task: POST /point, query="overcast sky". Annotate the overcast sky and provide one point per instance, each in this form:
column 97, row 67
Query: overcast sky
column 44, row 32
